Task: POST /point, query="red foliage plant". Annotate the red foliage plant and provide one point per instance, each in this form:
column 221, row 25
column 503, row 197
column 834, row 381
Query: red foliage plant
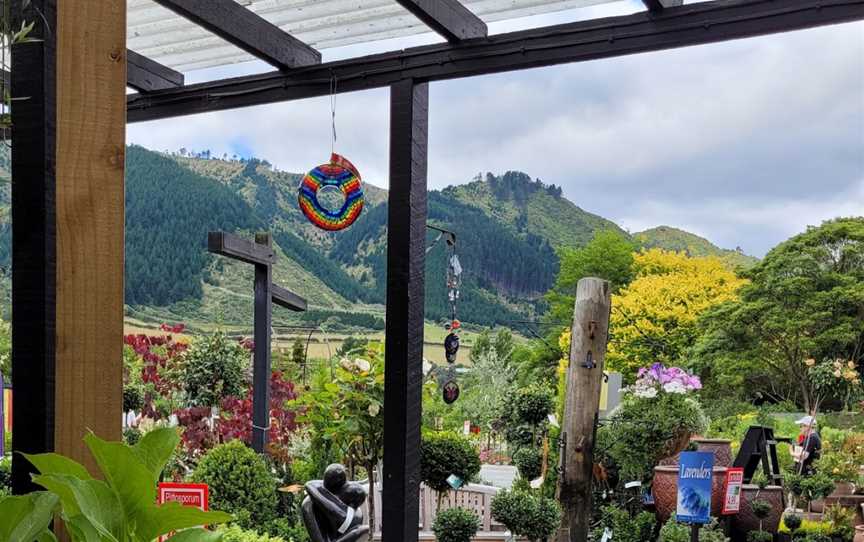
column 159, row 354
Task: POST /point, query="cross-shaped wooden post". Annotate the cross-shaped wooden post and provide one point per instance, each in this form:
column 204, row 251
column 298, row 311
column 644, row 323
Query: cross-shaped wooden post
column 261, row 255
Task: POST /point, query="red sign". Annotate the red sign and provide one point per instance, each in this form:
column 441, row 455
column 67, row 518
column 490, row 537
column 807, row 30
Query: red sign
column 197, row 495
column 732, row 490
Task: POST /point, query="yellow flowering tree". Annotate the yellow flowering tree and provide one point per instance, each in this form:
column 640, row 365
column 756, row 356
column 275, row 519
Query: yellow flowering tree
column 654, row 318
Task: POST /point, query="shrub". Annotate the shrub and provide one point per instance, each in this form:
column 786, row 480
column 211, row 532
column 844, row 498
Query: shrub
column 131, row 435
column 817, row 486
column 792, row 522
column 673, row 531
column 641, row 430
column 455, row 525
column 443, row 454
column 759, row 536
column 133, row 397
column 533, row 405
column 234, row 533
column 841, row 521
column 215, row 368
column 526, row 514
column 529, row 461
column 624, row 527
column 5, row 476
column 240, row 483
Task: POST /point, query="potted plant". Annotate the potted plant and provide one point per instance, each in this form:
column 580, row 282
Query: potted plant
column 755, row 516
column 625, row 528
column 446, row 455
column 814, row 490
column 841, row 521
column 792, row 522
column 455, row 525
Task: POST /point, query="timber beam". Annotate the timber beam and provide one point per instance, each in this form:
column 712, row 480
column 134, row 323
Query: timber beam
column 247, row 30
column 659, row 5
column 146, row 75
column 447, row 17
column 706, row 22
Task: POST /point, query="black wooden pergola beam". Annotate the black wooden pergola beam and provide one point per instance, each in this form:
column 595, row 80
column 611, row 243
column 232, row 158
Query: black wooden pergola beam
column 675, row 27
column 658, row 5
column 146, row 75
column 449, row 18
column 247, row 30
column 233, row 246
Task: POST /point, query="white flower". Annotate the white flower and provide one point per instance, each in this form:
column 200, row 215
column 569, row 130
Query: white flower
column 363, row 365
column 374, row 409
column 674, row 387
column 645, row 393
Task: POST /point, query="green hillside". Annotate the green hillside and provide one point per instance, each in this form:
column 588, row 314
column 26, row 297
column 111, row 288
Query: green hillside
column 669, row 238
column 508, row 228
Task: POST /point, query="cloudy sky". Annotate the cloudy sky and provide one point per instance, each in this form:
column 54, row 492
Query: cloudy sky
column 745, row 142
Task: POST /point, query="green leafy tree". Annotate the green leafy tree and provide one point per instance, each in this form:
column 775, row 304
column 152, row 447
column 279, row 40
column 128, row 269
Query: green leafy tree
column 215, row 367
column 804, row 302
column 608, row 256
column 298, row 351
column 348, row 414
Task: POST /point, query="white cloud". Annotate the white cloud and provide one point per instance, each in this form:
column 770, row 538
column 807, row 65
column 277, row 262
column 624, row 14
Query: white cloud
column 743, row 142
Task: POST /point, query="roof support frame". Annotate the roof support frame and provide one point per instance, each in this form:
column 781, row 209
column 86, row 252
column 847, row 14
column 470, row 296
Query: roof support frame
column 695, row 24
column 659, row 5
column 450, row 18
column 247, row 30
column 146, row 75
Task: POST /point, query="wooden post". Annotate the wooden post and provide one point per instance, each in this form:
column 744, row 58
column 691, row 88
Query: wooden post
column 68, row 206
column 406, row 246
column 584, row 381
column 261, row 365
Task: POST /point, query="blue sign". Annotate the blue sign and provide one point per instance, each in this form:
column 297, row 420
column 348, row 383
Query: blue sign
column 695, row 472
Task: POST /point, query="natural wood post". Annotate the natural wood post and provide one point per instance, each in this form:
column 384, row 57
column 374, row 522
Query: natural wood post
column 406, row 250
column 589, row 334
column 91, row 150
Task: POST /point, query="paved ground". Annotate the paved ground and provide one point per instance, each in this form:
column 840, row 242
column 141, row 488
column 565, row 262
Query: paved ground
column 498, row 475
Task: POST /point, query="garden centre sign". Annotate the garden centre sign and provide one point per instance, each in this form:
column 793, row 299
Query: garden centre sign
column 694, row 487
column 196, row 495
column 732, row 490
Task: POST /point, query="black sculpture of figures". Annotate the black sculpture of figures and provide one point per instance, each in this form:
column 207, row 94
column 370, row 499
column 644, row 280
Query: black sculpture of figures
column 332, row 509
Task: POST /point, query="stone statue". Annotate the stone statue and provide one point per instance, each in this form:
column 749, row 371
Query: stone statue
column 331, row 510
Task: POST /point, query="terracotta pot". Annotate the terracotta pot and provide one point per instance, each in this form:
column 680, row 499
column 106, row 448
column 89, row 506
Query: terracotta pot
column 745, row 521
column 859, row 533
column 721, row 448
column 665, row 491
column 843, row 489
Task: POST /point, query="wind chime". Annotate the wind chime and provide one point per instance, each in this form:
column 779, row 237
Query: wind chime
column 450, row 389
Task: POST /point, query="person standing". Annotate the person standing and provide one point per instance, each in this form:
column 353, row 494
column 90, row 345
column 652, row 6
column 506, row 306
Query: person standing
column 809, row 445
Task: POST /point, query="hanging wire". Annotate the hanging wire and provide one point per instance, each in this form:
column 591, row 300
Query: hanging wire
column 333, row 90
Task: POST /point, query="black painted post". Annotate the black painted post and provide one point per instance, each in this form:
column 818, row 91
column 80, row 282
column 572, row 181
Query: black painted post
column 33, row 239
column 261, row 365
column 406, row 238
column 261, row 255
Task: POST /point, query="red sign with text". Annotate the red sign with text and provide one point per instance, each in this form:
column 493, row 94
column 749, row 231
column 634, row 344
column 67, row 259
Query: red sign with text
column 732, row 490
column 197, row 495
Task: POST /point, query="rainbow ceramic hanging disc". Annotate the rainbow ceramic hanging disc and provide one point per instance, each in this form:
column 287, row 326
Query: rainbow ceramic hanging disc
column 343, row 175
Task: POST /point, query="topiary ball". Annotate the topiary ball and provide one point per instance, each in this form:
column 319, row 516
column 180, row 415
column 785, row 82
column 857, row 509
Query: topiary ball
column 443, row 454
column 455, row 525
column 529, row 462
column 240, row 483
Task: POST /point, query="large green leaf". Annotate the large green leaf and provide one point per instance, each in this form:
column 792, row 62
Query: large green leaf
column 157, row 520
column 26, row 518
column 126, row 474
column 83, row 530
column 155, row 449
column 57, row 464
column 91, row 500
column 197, row 535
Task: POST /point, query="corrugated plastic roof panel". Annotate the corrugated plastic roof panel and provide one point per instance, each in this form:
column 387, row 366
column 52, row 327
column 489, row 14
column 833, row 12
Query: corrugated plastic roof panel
column 172, row 40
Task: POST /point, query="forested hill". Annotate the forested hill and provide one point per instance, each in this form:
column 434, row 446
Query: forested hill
column 508, row 227
column 681, row 241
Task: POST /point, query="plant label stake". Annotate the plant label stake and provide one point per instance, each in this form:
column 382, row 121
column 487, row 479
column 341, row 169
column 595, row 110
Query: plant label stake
column 261, row 255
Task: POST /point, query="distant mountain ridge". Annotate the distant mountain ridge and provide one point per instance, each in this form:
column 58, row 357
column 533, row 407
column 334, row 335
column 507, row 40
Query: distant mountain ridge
column 669, row 238
column 508, row 227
